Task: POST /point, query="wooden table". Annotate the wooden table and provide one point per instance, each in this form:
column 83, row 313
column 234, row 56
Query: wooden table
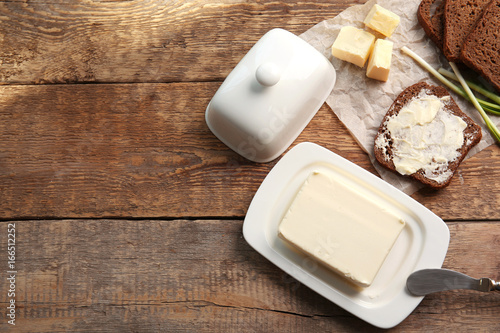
column 128, row 212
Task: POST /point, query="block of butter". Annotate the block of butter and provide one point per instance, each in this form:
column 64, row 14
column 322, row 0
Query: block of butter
column 340, row 227
column 379, row 64
column 353, row 45
column 382, row 20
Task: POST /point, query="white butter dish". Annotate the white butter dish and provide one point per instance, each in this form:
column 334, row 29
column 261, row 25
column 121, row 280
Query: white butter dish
column 422, row 243
column 270, row 96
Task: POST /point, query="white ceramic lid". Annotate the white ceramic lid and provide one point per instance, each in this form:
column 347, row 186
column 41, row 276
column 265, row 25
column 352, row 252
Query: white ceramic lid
column 270, row 96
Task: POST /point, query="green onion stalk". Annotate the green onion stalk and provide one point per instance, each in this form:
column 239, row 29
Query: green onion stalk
column 487, row 106
column 493, row 129
column 465, row 92
column 486, row 93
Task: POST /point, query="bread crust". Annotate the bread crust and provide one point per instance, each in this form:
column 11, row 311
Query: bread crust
column 472, row 133
column 430, row 17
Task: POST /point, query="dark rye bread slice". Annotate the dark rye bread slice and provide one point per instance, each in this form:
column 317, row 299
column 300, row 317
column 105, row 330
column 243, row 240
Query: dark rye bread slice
column 384, row 152
column 460, row 17
column 481, row 50
column 430, row 17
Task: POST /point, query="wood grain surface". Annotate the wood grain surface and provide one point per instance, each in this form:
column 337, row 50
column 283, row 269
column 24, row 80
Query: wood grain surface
column 201, row 276
column 141, row 41
column 128, row 211
column 144, row 150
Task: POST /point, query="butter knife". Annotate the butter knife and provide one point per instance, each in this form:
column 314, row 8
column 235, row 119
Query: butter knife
column 428, row 281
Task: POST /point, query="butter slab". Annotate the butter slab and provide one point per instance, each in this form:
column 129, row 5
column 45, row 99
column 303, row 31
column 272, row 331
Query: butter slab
column 382, row 20
column 379, row 64
column 353, row 45
column 340, row 228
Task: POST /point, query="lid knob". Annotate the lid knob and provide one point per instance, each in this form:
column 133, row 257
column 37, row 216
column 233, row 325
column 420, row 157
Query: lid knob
column 267, row 74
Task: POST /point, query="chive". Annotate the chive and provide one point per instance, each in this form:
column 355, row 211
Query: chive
column 434, row 72
column 490, row 110
column 493, row 129
column 486, row 93
column 489, row 107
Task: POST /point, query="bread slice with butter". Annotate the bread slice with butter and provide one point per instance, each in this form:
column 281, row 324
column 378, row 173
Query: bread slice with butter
column 425, row 135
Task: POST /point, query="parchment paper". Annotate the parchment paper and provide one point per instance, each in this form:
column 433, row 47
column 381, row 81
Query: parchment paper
column 361, row 103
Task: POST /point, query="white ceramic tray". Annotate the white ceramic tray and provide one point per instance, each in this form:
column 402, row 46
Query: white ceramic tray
column 423, row 243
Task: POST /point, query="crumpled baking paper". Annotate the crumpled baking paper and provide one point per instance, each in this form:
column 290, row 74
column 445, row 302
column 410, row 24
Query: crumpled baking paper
column 361, row 103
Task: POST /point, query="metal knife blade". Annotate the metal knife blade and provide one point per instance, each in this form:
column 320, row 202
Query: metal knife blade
column 428, row 281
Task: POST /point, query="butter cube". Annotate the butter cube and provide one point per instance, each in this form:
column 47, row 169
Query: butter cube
column 379, row 64
column 353, row 45
column 341, row 227
column 382, row 20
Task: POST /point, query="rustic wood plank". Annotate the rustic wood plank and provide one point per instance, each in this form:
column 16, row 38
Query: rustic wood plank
column 141, row 41
column 78, row 150
column 144, row 150
column 201, row 275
